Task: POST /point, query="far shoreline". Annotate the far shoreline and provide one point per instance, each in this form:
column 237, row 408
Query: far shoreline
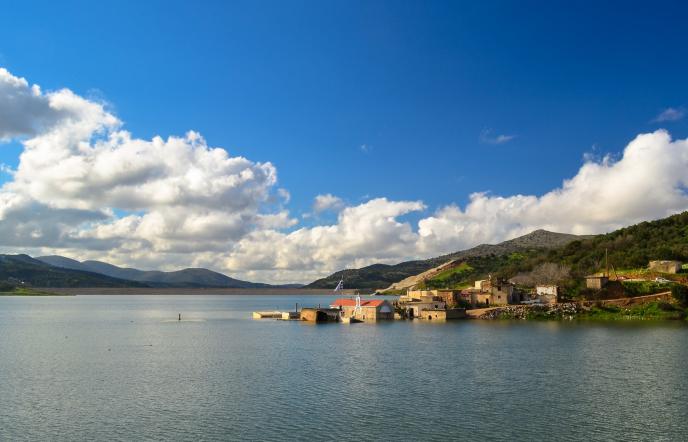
column 129, row 291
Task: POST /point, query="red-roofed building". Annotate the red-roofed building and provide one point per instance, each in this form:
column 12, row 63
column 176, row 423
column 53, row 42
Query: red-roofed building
column 371, row 310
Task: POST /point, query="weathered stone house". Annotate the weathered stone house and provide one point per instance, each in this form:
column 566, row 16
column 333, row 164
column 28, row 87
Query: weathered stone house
column 596, row 282
column 450, row 297
column 666, row 266
column 547, row 294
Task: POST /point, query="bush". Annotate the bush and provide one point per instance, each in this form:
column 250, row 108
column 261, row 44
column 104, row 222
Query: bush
column 6, row 286
column 680, row 294
column 641, row 288
column 462, row 303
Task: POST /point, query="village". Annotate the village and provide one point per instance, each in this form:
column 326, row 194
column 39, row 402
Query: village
column 476, row 302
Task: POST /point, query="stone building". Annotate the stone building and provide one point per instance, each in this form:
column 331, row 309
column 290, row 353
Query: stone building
column 596, row 282
column 316, row 314
column 488, row 293
column 503, row 293
column 371, row 310
column 415, row 301
column 665, row 266
column 443, row 315
column 547, row 294
column 450, row 297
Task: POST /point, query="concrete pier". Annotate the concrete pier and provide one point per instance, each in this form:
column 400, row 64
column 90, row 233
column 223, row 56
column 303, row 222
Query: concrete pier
column 267, row 315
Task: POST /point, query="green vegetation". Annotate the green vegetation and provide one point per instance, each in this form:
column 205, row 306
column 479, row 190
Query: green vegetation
column 6, row 290
column 642, row 288
column 629, row 248
column 656, row 310
column 650, row 311
column 379, row 276
column 455, row 277
column 680, row 294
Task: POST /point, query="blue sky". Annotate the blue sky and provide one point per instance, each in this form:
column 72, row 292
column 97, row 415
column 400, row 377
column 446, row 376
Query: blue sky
column 306, row 84
column 402, row 100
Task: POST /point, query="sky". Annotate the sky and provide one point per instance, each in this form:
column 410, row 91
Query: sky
column 282, row 141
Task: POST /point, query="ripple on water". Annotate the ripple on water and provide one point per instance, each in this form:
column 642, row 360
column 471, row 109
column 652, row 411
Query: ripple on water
column 113, row 368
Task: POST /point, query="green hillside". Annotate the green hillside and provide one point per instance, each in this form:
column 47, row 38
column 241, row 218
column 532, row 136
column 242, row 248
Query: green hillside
column 628, row 248
column 380, row 276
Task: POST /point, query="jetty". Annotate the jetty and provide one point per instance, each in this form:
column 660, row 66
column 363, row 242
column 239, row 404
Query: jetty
column 267, row 315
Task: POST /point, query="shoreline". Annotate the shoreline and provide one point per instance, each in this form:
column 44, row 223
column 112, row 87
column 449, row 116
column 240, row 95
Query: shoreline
column 129, row 291
column 656, row 310
column 23, row 292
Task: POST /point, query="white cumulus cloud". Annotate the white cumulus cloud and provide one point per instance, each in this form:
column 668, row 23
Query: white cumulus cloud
column 86, row 188
column 173, row 195
column 326, row 202
column 649, row 181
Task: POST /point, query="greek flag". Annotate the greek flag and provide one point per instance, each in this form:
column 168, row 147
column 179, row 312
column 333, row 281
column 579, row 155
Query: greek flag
column 340, row 285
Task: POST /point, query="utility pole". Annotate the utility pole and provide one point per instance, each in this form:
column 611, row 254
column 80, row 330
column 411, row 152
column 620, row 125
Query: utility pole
column 606, row 263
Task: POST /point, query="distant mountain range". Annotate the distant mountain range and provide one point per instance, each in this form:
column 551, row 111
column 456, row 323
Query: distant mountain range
column 630, row 247
column 193, row 277
column 59, row 271
column 380, row 276
column 40, row 274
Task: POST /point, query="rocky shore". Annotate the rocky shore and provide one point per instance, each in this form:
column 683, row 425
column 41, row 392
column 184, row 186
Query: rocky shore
column 653, row 310
column 567, row 310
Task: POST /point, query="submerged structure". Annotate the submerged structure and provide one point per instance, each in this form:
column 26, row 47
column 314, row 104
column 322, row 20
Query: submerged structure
column 366, row 310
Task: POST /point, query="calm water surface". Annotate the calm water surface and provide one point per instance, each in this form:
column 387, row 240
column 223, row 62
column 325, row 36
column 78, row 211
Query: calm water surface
column 121, row 368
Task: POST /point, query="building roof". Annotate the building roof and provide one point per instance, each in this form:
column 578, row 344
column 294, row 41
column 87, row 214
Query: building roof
column 347, row 302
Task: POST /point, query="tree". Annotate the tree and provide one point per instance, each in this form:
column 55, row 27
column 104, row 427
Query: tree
column 546, row 273
column 680, row 294
column 6, row 286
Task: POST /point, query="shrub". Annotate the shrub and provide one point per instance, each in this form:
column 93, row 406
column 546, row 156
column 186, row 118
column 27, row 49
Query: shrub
column 680, row 294
column 640, row 288
column 6, row 286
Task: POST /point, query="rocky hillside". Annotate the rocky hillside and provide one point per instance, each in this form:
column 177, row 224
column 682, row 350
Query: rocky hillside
column 629, row 251
column 379, row 276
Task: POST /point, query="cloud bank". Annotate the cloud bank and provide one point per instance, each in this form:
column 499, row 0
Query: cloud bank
column 88, row 189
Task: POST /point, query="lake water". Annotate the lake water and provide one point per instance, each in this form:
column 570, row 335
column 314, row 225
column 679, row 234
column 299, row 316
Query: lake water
column 122, row 368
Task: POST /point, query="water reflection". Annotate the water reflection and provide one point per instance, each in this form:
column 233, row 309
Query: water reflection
column 122, row 368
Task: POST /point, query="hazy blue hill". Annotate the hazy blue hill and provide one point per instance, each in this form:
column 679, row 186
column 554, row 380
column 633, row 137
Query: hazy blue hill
column 61, row 261
column 191, row 277
column 40, row 274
